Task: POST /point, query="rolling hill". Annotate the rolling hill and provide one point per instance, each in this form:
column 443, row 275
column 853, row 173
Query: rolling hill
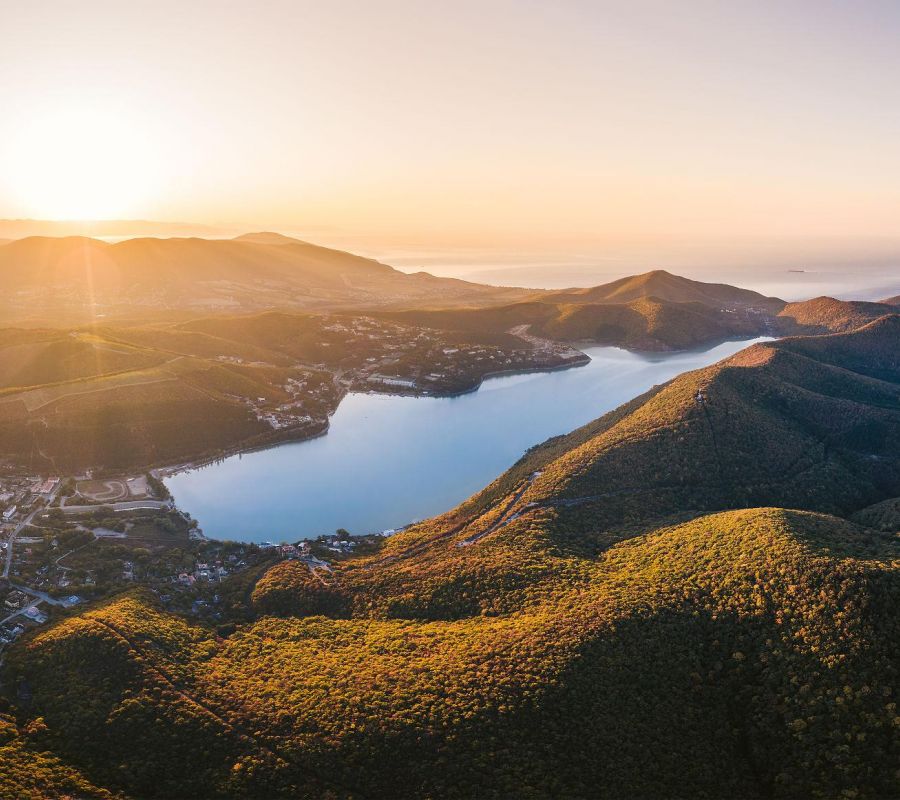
column 683, row 598
column 653, row 311
column 828, row 315
column 665, row 286
column 87, row 278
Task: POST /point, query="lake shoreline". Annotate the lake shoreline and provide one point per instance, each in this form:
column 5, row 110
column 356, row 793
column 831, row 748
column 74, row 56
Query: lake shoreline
column 389, row 460
column 288, row 438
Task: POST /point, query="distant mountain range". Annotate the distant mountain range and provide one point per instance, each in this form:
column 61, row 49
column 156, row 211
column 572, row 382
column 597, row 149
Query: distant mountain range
column 73, row 280
column 176, row 334
column 655, row 311
column 83, row 278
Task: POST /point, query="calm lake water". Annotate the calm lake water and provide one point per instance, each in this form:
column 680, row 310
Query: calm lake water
column 387, row 461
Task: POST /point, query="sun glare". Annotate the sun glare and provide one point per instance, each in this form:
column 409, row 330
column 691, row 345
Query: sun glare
column 81, row 163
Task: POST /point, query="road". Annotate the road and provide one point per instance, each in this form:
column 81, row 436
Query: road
column 12, row 537
column 25, row 522
column 506, row 515
column 127, row 505
column 38, row 594
column 37, row 597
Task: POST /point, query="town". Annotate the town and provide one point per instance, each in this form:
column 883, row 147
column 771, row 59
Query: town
column 67, row 541
column 369, row 354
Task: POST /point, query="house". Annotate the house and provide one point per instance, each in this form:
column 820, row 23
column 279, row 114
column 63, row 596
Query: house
column 35, row 615
column 48, row 486
column 15, row 600
column 387, row 380
column 9, row 513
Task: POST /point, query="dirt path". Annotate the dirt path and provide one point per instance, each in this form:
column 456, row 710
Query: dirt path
column 237, row 730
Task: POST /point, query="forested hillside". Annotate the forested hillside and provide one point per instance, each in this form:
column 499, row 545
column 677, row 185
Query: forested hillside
column 828, row 315
column 693, row 596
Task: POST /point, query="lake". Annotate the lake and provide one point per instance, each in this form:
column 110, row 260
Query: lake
column 387, row 460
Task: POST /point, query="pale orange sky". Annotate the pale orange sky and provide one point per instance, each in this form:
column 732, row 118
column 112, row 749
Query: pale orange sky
column 475, row 122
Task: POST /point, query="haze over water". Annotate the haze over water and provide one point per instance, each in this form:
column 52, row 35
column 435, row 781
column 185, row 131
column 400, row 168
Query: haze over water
column 790, row 275
column 387, row 460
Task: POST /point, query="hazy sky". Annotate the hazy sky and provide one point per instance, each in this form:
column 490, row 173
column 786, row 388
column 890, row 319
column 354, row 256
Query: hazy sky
column 482, row 121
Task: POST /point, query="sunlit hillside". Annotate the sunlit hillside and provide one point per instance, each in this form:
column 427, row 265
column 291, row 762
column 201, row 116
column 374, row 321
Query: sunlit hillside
column 81, row 279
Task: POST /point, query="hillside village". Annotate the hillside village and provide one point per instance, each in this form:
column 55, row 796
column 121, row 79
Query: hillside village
column 362, row 353
column 68, row 541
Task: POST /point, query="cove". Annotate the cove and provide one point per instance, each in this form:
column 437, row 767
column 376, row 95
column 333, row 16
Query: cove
column 388, row 460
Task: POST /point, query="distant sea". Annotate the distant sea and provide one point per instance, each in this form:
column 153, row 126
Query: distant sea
column 792, row 279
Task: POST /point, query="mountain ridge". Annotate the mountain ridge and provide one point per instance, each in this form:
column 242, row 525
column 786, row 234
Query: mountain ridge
column 651, row 311
column 75, row 273
column 666, row 286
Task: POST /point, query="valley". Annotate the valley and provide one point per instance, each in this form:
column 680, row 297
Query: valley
column 701, row 554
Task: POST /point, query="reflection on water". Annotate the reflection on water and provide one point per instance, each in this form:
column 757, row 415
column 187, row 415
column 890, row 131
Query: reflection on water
column 387, row 461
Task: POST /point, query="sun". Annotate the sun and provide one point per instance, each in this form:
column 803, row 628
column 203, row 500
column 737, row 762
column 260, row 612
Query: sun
column 81, row 163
